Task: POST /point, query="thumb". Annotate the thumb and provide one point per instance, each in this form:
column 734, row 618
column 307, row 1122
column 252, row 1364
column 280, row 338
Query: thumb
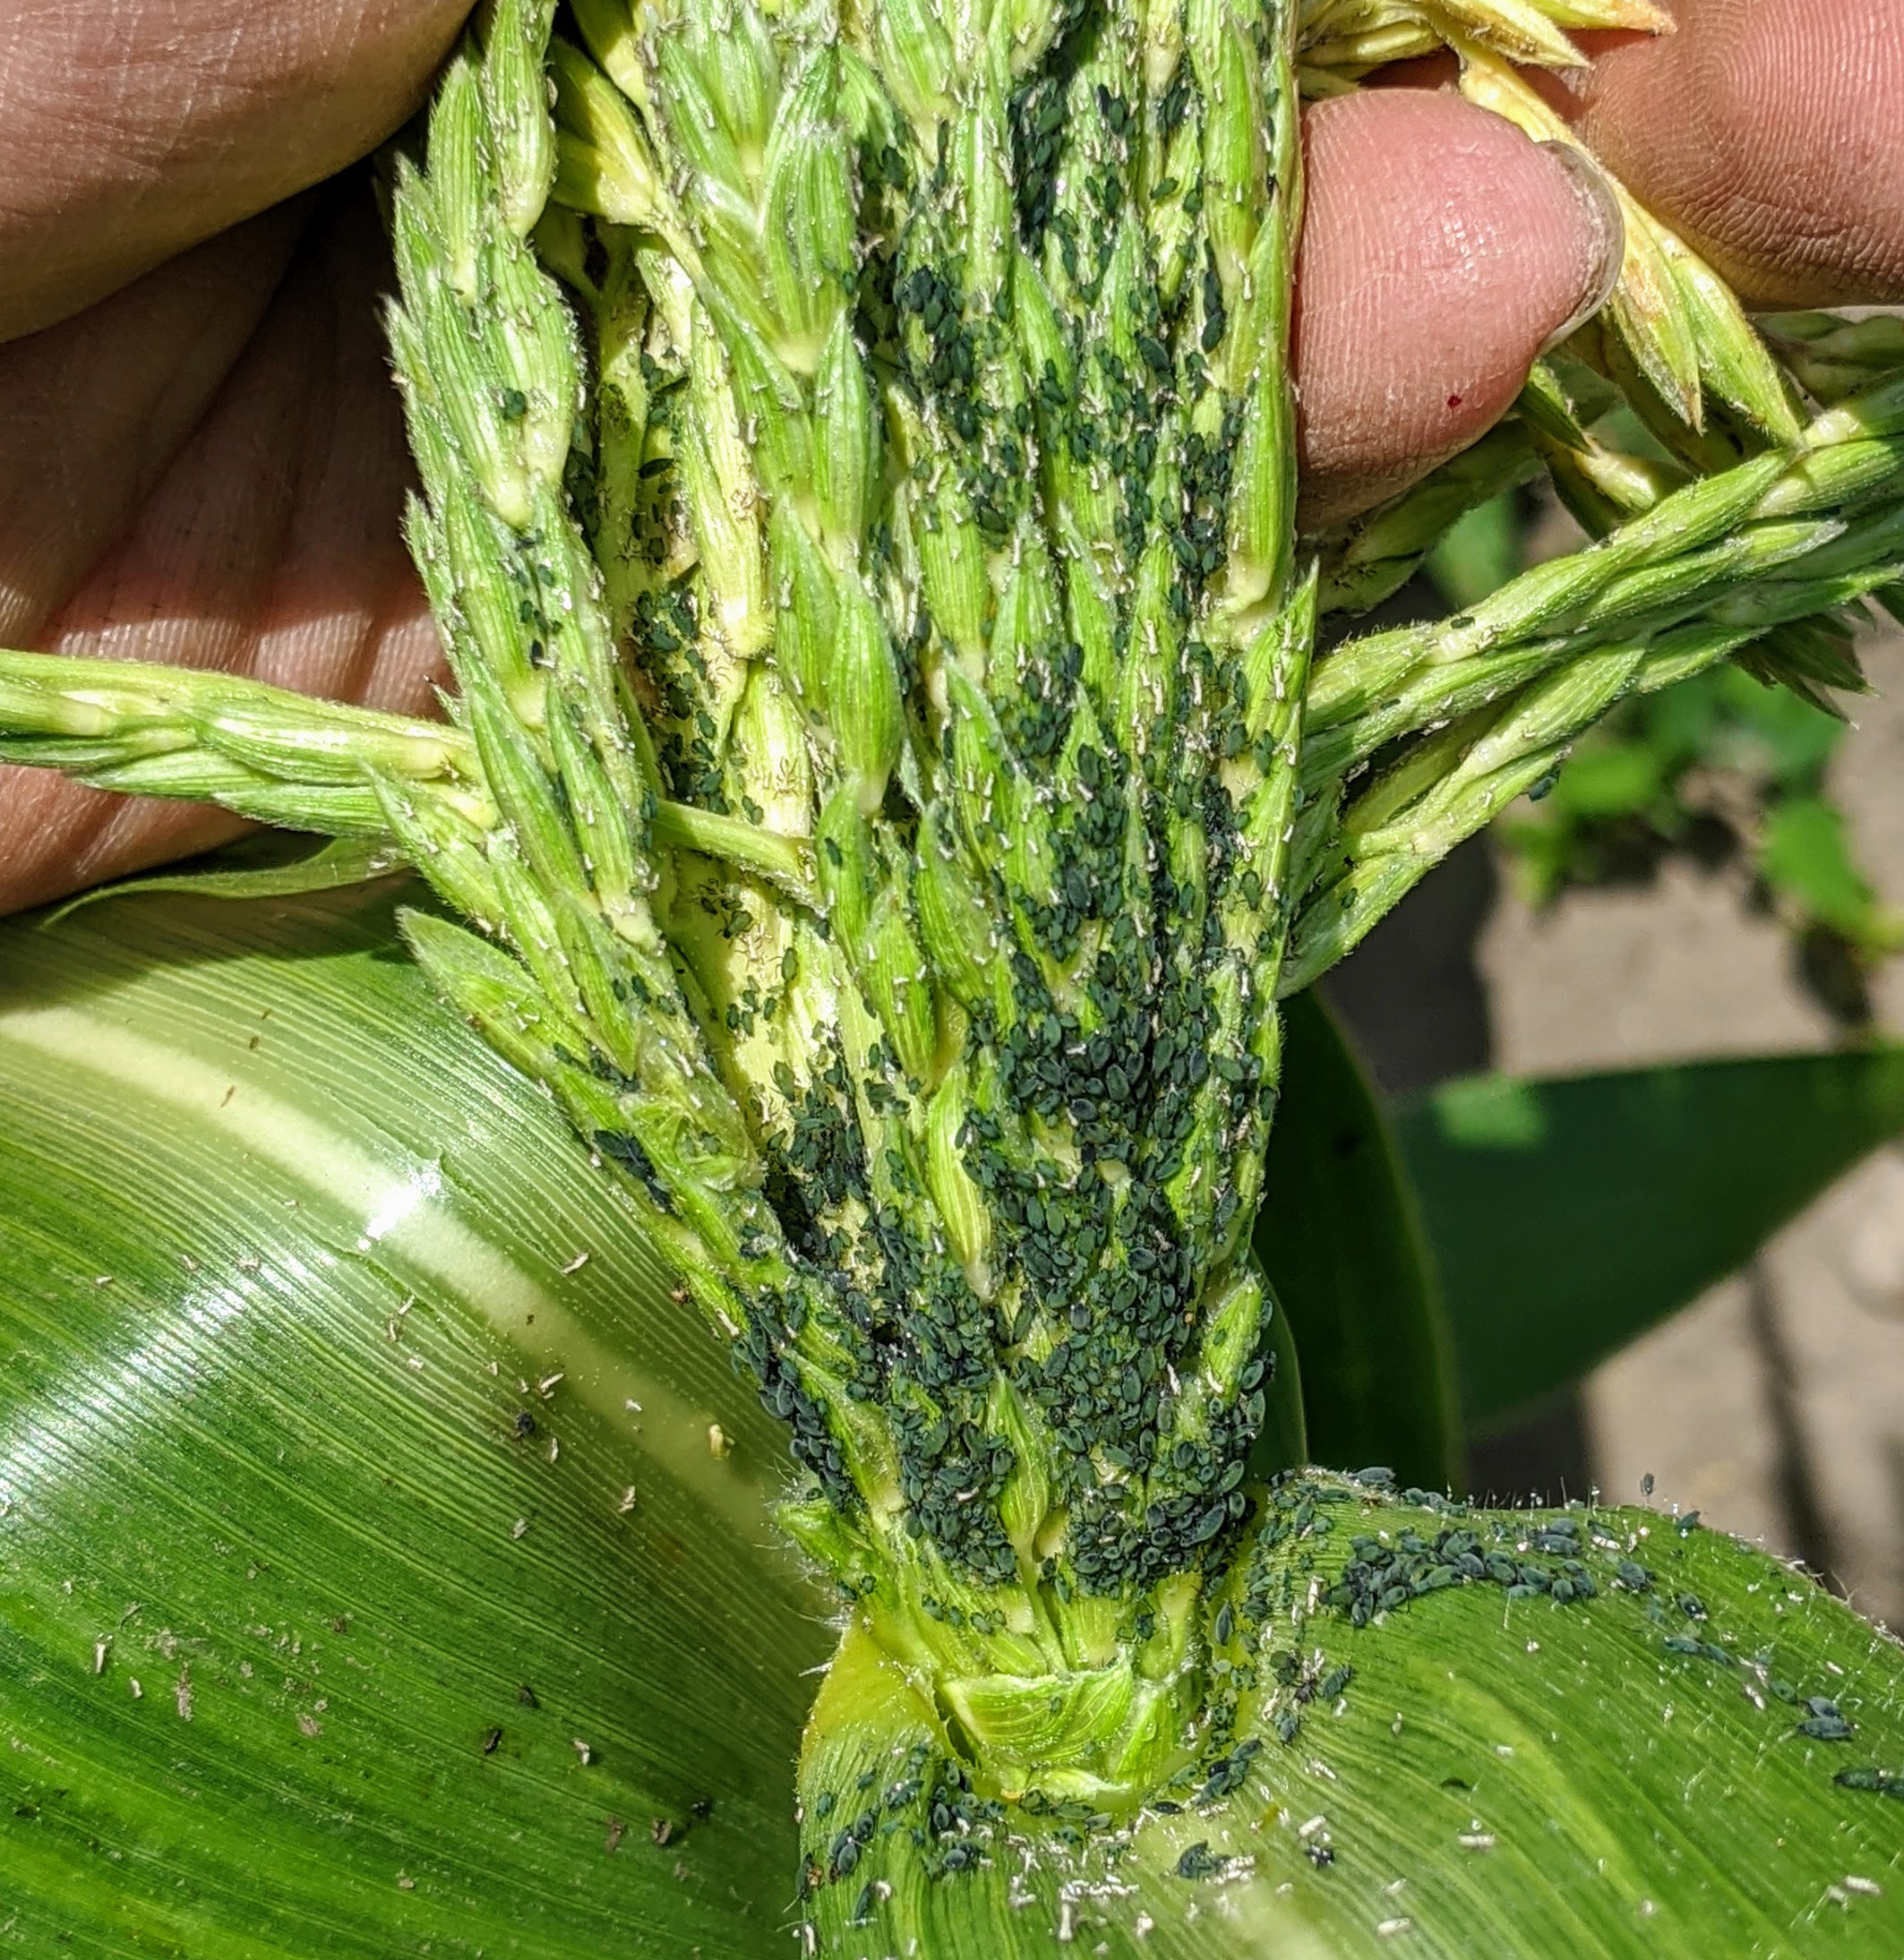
column 1772, row 134
column 1441, row 251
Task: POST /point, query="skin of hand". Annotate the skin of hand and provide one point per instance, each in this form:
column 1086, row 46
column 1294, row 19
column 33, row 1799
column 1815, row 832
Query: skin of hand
column 202, row 459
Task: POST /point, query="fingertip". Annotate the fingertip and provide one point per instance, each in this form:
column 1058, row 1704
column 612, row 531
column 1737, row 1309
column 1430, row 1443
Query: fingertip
column 1768, row 132
column 1442, row 250
column 1603, row 234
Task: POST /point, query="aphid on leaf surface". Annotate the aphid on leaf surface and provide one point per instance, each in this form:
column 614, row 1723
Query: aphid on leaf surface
column 1198, row 1860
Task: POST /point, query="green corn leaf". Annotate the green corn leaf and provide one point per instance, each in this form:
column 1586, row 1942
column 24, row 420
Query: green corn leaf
column 1340, row 1242
column 1568, row 1217
column 319, row 1571
column 1690, row 1751
column 273, row 864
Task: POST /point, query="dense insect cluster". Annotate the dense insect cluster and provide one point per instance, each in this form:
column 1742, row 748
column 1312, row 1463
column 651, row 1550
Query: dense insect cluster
column 923, row 1797
column 930, row 1801
column 936, row 463
column 935, row 453
column 912, row 417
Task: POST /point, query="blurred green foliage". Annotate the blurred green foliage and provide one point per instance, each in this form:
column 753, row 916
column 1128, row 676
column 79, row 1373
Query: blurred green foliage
column 1720, row 769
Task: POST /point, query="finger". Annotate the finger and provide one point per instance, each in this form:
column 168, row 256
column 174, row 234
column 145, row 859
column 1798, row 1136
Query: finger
column 1441, row 251
column 272, row 547
column 93, row 411
column 129, row 133
column 1770, row 133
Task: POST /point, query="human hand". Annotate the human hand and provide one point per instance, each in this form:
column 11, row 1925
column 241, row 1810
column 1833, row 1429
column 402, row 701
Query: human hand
column 202, row 458
column 206, row 467
column 1441, row 250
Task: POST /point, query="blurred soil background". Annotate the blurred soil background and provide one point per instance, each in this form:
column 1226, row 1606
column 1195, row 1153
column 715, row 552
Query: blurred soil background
column 1775, row 1404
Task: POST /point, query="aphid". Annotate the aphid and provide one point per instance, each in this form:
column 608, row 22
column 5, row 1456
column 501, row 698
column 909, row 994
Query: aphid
column 1198, row 1861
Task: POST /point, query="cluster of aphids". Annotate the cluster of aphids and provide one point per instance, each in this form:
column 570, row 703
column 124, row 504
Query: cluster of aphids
column 931, row 1802
column 1383, row 1576
column 1304, row 1681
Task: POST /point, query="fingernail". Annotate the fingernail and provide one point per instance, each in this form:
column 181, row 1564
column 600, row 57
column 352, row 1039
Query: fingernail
column 1605, row 225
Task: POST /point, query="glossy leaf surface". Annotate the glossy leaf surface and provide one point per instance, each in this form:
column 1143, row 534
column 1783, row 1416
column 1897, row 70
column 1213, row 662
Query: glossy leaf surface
column 368, row 1582
column 1693, row 1759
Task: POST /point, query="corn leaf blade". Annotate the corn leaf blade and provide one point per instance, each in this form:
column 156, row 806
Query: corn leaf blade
column 1340, row 1242
column 414, row 1669
column 1692, row 1753
column 1569, row 1217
